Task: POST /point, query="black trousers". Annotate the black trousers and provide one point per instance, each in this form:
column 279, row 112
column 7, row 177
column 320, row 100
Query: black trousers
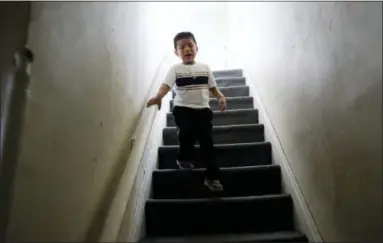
column 193, row 125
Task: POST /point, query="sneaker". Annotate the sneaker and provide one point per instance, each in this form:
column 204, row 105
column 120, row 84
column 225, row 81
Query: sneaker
column 185, row 165
column 214, row 185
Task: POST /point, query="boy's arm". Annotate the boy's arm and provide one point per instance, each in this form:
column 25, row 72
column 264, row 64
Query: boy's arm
column 216, row 93
column 164, row 89
column 213, row 84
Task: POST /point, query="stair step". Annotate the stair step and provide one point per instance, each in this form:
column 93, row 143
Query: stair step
column 233, row 91
column 230, row 81
column 246, row 133
column 172, row 217
column 233, row 103
column 237, row 182
column 229, row 117
column 278, row 236
column 227, row 155
column 228, row 73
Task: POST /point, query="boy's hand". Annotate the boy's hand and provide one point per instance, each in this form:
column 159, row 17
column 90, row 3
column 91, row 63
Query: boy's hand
column 155, row 101
column 222, row 103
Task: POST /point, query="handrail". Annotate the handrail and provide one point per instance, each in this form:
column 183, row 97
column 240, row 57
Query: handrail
column 16, row 101
column 151, row 113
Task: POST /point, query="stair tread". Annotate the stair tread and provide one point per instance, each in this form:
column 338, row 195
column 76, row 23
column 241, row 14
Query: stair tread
column 230, row 78
column 230, row 81
column 217, row 215
column 223, row 134
column 228, row 117
column 225, row 169
column 219, row 200
column 228, row 70
column 239, row 238
column 227, row 127
column 235, row 87
column 231, row 91
column 228, row 73
column 230, row 111
column 228, row 155
column 176, row 183
column 225, row 145
column 230, row 98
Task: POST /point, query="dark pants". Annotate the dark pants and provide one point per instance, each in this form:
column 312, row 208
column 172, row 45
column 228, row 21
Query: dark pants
column 196, row 124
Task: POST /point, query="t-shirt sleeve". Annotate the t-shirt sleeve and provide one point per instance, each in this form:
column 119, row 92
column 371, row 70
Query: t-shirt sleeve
column 170, row 78
column 212, row 83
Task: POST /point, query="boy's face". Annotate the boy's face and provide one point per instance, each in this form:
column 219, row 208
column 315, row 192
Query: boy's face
column 186, row 49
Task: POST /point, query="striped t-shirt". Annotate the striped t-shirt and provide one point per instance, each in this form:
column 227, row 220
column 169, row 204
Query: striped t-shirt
column 191, row 84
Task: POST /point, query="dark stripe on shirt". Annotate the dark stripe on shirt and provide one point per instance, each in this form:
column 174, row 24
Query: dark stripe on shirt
column 185, row 81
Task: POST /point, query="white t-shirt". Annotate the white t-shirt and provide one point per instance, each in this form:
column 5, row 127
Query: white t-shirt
column 191, row 84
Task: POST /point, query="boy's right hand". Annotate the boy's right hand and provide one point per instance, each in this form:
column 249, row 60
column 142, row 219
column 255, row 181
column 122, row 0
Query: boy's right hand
column 154, row 101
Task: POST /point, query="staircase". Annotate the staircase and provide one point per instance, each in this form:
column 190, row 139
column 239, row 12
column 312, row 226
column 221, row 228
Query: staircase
column 252, row 207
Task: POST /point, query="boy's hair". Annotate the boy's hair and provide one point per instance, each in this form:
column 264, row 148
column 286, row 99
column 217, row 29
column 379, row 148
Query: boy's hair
column 183, row 35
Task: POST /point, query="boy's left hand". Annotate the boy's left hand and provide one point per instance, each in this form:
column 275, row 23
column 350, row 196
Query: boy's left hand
column 222, row 103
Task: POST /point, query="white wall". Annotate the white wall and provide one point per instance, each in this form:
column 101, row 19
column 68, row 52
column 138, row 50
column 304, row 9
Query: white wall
column 94, row 65
column 206, row 20
column 318, row 70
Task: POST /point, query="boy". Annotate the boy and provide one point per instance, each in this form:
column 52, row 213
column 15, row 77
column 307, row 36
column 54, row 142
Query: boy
column 192, row 113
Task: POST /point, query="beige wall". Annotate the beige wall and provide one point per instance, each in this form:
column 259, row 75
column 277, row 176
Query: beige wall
column 318, row 70
column 94, row 65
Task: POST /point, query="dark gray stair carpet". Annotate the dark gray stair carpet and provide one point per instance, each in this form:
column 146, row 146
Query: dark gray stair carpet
column 230, row 81
column 232, row 91
column 252, row 207
column 172, row 217
column 230, row 117
column 228, row 73
column 279, row 236
column 223, row 134
column 265, row 179
column 233, row 103
column 228, row 155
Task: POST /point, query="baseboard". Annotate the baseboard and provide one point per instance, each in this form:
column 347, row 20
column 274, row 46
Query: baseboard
column 303, row 218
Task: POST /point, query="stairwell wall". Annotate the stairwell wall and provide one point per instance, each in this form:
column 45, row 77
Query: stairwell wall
column 94, row 66
column 317, row 68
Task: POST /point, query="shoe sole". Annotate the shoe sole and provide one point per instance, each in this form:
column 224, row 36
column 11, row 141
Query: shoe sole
column 212, row 188
column 184, row 168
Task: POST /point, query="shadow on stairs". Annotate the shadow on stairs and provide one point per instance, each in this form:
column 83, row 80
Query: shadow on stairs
column 252, row 207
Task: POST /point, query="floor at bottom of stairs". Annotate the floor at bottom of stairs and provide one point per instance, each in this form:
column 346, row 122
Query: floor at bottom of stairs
column 282, row 236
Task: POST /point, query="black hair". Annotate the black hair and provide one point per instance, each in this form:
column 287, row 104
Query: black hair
column 183, row 35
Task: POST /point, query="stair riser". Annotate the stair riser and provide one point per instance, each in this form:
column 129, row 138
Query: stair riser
column 231, row 104
column 238, row 91
column 222, row 136
column 228, row 82
column 228, row 73
column 215, row 217
column 226, row 156
column 183, row 184
column 225, row 118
